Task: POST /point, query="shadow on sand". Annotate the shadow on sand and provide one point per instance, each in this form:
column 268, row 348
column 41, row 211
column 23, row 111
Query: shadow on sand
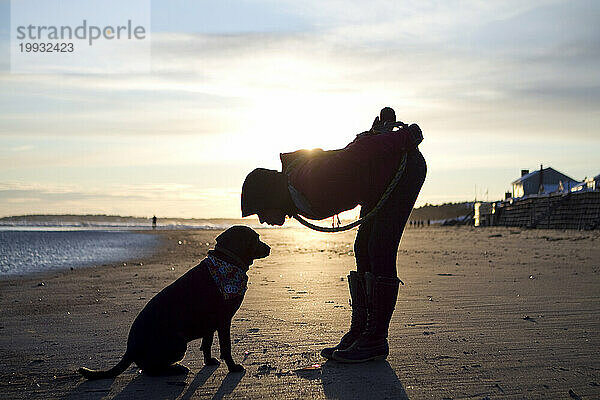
column 228, row 384
column 139, row 387
column 164, row 387
column 91, row 390
column 373, row 380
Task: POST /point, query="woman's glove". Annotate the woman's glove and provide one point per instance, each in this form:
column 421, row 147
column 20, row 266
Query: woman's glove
column 415, row 133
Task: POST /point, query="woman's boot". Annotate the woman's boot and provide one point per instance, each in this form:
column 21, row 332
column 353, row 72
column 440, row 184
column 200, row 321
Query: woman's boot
column 372, row 344
column 356, row 284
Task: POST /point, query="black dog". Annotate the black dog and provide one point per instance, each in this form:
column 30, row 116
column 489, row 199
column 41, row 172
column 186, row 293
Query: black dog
column 196, row 305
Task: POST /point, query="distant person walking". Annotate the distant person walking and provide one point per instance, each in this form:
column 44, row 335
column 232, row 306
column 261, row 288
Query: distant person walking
column 154, row 222
column 318, row 184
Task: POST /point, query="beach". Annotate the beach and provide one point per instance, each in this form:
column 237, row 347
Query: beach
column 484, row 313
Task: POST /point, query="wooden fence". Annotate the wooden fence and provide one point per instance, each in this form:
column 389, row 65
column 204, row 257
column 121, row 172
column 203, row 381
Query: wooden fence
column 576, row 210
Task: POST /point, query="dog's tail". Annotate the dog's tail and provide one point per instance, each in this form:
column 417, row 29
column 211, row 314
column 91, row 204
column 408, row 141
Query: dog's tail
column 111, row 373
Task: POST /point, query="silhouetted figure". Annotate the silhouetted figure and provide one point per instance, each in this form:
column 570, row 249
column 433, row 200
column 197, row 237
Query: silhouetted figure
column 318, row 184
column 154, row 222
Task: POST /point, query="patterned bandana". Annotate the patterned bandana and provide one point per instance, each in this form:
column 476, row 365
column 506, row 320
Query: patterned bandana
column 230, row 279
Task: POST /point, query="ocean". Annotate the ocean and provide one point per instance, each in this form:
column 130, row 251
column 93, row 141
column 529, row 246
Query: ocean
column 29, row 251
column 39, row 243
column 111, row 222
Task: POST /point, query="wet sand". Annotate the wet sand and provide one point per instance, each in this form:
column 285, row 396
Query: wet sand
column 496, row 313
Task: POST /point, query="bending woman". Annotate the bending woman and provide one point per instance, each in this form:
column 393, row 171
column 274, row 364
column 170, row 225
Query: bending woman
column 318, row 184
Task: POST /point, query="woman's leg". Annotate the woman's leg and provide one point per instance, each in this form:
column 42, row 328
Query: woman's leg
column 361, row 247
column 391, row 219
column 381, row 283
column 356, row 286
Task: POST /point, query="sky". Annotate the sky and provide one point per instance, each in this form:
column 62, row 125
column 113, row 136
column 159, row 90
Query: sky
column 496, row 86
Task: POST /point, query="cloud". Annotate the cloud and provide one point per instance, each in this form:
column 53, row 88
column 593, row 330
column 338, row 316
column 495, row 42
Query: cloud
column 220, row 84
column 175, row 200
column 491, row 83
column 541, row 28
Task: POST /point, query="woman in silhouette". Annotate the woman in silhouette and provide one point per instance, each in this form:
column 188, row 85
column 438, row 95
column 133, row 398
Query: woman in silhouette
column 318, row 184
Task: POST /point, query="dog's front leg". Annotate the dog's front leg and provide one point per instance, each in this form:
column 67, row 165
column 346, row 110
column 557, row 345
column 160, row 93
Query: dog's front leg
column 225, row 345
column 207, row 341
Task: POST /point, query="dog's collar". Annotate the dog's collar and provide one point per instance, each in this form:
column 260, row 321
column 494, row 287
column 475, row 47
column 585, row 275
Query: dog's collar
column 238, row 262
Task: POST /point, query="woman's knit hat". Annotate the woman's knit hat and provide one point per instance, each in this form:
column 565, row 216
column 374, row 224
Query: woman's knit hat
column 264, row 189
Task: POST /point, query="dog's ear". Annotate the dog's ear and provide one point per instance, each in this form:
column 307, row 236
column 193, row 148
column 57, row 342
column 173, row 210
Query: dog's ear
column 256, row 248
column 243, row 242
column 251, row 246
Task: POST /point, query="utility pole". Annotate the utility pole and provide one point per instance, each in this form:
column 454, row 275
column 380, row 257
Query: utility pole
column 541, row 185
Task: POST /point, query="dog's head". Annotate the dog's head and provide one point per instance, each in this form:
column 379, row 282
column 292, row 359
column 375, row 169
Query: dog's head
column 242, row 242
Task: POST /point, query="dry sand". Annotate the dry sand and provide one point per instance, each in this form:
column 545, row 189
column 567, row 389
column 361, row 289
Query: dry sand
column 485, row 313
